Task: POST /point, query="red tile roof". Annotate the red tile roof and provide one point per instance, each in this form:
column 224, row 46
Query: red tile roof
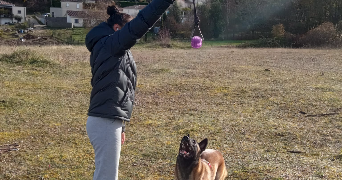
column 80, row 14
column 6, row 3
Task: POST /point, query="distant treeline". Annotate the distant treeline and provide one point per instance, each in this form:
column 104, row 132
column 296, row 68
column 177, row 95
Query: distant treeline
column 255, row 18
column 275, row 23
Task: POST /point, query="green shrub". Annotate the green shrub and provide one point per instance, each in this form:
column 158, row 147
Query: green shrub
column 25, row 58
column 280, row 38
column 18, row 18
column 22, row 25
column 264, row 43
column 292, row 40
column 325, row 35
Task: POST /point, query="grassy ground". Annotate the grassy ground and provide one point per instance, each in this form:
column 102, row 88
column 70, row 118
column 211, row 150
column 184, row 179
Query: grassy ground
column 247, row 102
column 224, row 43
column 76, row 36
column 73, row 36
column 8, row 34
column 186, row 44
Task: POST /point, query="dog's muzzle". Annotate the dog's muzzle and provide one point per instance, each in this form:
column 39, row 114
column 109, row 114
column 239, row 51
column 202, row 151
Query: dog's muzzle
column 185, row 147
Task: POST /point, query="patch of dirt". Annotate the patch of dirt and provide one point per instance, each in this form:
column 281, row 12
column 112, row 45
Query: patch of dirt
column 29, row 36
column 32, row 40
column 9, row 147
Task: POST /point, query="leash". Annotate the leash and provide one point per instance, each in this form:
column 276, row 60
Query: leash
column 196, row 22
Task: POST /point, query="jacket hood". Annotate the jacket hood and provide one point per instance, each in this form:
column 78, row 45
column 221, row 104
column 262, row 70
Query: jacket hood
column 96, row 34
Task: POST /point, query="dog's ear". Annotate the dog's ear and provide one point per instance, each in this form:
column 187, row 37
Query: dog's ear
column 203, row 144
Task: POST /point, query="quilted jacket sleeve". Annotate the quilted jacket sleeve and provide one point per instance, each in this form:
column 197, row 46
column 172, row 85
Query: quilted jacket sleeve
column 126, row 37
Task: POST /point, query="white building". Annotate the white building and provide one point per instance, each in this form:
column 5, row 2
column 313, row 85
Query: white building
column 72, row 10
column 9, row 12
column 68, row 5
column 76, row 18
column 133, row 10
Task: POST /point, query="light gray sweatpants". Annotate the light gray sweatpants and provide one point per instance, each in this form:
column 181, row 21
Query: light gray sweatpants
column 105, row 136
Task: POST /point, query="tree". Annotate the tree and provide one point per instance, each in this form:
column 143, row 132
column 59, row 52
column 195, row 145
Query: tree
column 33, row 5
column 96, row 13
column 205, row 22
column 175, row 12
column 278, row 31
column 177, row 22
column 217, row 21
column 229, row 11
column 55, row 3
column 18, row 18
column 2, row 11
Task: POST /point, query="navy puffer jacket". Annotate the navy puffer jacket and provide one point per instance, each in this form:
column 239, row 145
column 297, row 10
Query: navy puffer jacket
column 114, row 74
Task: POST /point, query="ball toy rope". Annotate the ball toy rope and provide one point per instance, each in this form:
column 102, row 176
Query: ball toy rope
column 196, row 41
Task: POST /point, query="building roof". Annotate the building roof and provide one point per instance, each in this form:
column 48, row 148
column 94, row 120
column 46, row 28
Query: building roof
column 79, row 14
column 6, row 3
column 140, row 7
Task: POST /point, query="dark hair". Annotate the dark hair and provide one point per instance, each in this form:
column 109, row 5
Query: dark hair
column 115, row 17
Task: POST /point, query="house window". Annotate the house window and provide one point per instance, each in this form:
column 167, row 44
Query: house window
column 78, row 6
column 19, row 11
column 76, row 21
column 67, row 5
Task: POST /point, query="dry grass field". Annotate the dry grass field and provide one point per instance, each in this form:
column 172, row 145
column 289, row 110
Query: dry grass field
column 273, row 113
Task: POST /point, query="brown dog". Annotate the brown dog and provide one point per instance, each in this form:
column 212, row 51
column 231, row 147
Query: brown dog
column 194, row 162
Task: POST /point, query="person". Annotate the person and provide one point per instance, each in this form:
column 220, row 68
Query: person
column 114, row 80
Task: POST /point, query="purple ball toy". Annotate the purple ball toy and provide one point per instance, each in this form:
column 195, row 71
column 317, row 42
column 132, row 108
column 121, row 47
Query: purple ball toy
column 196, row 42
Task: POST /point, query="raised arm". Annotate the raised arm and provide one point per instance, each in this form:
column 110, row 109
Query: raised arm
column 127, row 37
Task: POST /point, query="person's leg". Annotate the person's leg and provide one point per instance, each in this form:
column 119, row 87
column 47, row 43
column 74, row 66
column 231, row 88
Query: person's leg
column 105, row 136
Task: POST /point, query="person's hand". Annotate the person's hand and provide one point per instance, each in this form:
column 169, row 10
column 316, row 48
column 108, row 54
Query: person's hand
column 123, row 137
